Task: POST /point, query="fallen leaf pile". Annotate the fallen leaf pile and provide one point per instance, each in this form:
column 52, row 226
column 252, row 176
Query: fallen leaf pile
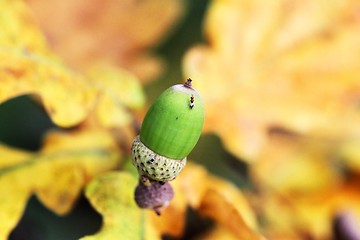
column 280, row 82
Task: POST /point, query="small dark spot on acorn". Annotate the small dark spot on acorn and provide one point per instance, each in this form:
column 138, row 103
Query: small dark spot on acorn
column 148, row 162
column 162, row 183
column 136, row 150
column 164, row 165
column 161, row 169
column 154, row 175
column 152, row 160
column 135, row 158
column 152, row 168
column 174, row 171
column 167, row 170
column 156, row 164
column 162, row 174
column 139, row 156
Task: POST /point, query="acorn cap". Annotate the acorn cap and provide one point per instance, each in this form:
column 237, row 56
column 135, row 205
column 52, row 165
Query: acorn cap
column 173, row 124
column 154, row 166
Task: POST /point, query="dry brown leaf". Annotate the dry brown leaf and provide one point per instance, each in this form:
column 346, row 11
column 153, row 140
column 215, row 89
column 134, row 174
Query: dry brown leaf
column 118, row 31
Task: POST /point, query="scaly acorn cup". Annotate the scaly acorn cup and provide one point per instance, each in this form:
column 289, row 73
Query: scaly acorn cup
column 169, row 132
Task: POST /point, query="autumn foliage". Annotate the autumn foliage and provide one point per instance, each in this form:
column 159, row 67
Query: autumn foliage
column 280, row 82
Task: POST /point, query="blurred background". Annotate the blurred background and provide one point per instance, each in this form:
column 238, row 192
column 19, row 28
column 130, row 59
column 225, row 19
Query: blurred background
column 281, row 86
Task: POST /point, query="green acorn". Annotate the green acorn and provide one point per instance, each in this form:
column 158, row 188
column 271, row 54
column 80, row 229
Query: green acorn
column 170, row 130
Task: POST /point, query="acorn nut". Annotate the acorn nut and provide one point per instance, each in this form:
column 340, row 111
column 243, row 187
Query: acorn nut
column 170, row 130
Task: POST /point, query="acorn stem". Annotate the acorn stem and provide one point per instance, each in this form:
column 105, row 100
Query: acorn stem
column 157, row 211
column 145, row 181
column 188, row 83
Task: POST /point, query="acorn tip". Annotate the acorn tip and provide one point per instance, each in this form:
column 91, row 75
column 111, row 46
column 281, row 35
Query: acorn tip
column 188, row 83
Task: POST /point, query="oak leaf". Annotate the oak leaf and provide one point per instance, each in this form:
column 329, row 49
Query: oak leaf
column 28, row 66
column 113, row 196
column 280, row 86
column 118, row 92
column 56, row 174
column 68, row 160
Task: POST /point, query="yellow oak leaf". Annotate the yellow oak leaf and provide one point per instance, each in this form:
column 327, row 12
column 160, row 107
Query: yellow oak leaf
column 117, row 31
column 56, row 174
column 285, row 68
column 119, row 91
column 28, row 67
column 112, row 195
column 119, row 99
column 19, row 31
column 283, row 64
column 11, row 156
